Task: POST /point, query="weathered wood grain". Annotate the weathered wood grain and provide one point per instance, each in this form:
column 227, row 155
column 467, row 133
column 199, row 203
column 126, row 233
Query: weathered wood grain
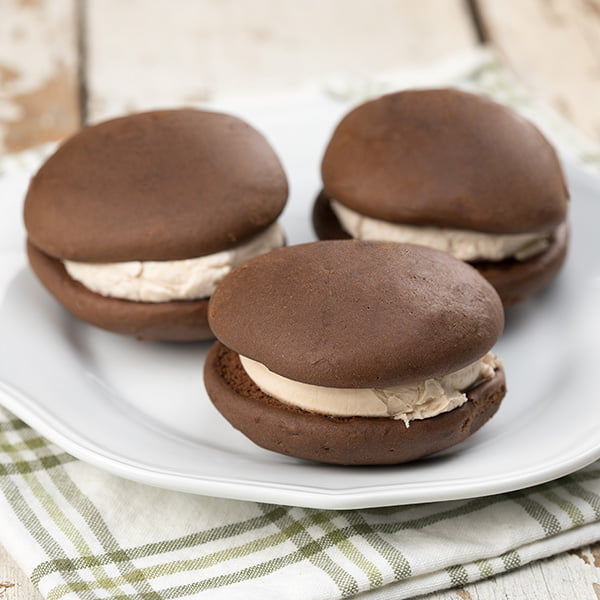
column 554, row 47
column 14, row 585
column 145, row 54
column 38, row 72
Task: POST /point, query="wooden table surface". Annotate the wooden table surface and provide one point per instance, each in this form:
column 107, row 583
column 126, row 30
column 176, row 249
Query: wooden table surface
column 66, row 62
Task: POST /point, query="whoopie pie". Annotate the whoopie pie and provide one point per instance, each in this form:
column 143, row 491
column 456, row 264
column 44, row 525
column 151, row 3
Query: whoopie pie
column 133, row 222
column 454, row 171
column 355, row 352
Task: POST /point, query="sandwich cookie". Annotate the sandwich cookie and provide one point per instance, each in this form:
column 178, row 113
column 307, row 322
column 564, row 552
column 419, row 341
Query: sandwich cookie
column 355, row 352
column 133, row 222
column 454, row 171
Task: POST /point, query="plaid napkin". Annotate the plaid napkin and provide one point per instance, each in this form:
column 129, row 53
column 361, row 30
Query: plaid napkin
column 82, row 533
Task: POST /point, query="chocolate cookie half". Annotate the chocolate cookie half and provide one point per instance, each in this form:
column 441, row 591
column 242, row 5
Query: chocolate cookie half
column 355, row 352
column 454, row 171
column 133, row 222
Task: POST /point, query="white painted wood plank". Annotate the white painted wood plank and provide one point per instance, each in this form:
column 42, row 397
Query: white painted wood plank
column 149, row 53
column 554, row 46
column 38, row 72
column 14, row 585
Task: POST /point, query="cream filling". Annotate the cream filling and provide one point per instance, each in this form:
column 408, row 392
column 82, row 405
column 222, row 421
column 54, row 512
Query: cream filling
column 163, row 281
column 462, row 244
column 419, row 400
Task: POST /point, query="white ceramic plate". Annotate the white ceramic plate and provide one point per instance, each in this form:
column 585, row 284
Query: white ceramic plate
column 140, row 410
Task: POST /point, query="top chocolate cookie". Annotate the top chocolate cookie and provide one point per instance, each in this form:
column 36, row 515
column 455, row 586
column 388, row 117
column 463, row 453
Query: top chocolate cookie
column 161, row 185
column 445, row 158
column 357, row 314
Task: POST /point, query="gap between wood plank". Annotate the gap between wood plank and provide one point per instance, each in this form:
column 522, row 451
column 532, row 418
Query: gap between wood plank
column 82, row 58
column 474, row 12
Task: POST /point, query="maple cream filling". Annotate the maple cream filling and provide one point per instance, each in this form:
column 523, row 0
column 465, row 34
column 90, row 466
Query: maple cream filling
column 164, row 281
column 420, row 400
column 462, row 244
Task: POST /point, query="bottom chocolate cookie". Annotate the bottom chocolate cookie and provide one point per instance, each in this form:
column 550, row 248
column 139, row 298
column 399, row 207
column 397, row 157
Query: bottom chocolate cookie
column 340, row 440
column 514, row 280
column 183, row 320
